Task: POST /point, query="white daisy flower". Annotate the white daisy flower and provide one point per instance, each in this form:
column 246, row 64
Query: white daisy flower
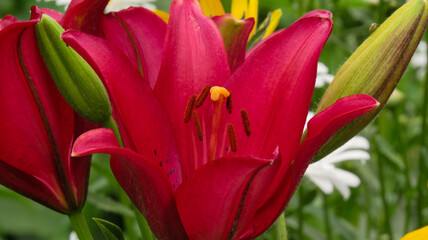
column 323, row 78
column 327, row 176
column 73, row 236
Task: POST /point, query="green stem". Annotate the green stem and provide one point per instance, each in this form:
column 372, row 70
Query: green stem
column 402, row 149
column 328, row 232
column 300, row 214
column 422, row 172
column 142, row 223
column 281, row 228
column 146, row 233
column 79, row 225
column 381, row 174
column 110, row 123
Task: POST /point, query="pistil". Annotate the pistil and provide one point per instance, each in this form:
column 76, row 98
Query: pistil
column 218, row 95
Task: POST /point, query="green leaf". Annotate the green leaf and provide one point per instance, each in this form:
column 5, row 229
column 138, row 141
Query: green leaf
column 110, row 230
column 386, row 150
column 109, row 205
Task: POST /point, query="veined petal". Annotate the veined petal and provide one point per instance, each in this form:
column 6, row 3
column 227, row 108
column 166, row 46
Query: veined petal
column 221, row 187
column 194, row 56
column 235, row 35
column 85, row 16
column 6, row 21
column 275, row 84
column 140, row 34
column 212, row 8
column 23, row 128
column 31, row 187
column 322, row 126
column 57, row 16
column 143, row 125
column 144, row 181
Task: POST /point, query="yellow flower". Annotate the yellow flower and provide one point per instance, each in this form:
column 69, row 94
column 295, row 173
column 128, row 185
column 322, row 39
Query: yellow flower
column 240, row 9
column 419, row 234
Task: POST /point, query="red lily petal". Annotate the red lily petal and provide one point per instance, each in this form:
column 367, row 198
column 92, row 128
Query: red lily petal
column 194, row 56
column 140, row 34
column 275, row 85
column 235, row 34
column 23, row 129
column 31, row 187
column 211, row 199
column 320, row 129
column 58, row 113
column 85, row 16
column 326, row 123
column 6, row 21
column 143, row 125
column 143, row 180
column 57, row 16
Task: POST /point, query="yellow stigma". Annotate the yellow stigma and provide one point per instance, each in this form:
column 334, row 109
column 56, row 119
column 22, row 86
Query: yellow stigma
column 216, row 92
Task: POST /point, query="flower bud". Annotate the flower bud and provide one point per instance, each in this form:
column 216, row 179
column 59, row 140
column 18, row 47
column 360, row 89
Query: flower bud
column 77, row 82
column 376, row 67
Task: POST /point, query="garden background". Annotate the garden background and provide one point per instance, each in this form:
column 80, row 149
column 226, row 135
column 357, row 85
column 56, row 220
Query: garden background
column 391, row 197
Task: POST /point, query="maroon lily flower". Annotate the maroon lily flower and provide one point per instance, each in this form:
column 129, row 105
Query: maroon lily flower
column 38, row 127
column 207, row 162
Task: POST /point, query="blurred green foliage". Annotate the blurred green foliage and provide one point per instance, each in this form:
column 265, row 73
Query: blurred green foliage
column 384, row 206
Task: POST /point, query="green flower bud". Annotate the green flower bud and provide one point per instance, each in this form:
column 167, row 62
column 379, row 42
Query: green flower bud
column 77, row 82
column 376, row 67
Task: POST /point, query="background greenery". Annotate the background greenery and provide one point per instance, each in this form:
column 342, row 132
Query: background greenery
column 390, row 201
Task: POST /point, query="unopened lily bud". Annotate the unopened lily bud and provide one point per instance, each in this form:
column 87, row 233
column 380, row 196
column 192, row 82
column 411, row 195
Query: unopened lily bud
column 77, row 82
column 376, row 67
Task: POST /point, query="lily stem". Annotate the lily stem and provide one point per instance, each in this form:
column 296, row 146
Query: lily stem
column 381, row 165
column 111, row 124
column 79, row 225
column 328, row 232
column 146, row 233
column 402, row 149
column 281, row 228
column 300, row 215
column 142, row 223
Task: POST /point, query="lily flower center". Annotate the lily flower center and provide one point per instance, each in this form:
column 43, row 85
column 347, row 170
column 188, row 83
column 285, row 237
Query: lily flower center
column 212, row 134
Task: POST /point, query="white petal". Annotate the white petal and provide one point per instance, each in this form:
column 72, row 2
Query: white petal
column 345, row 156
column 324, row 184
column 322, row 68
column 73, row 236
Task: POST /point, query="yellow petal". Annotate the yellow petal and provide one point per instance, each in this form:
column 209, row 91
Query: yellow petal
column 212, row 8
column 162, row 14
column 420, row 234
column 239, row 7
column 253, row 9
column 273, row 23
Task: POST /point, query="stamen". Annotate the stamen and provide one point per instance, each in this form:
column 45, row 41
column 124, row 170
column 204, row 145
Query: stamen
column 232, row 137
column 198, row 126
column 229, row 104
column 216, row 92
column 202, row 96
column 246, row 122
column 189, row 108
